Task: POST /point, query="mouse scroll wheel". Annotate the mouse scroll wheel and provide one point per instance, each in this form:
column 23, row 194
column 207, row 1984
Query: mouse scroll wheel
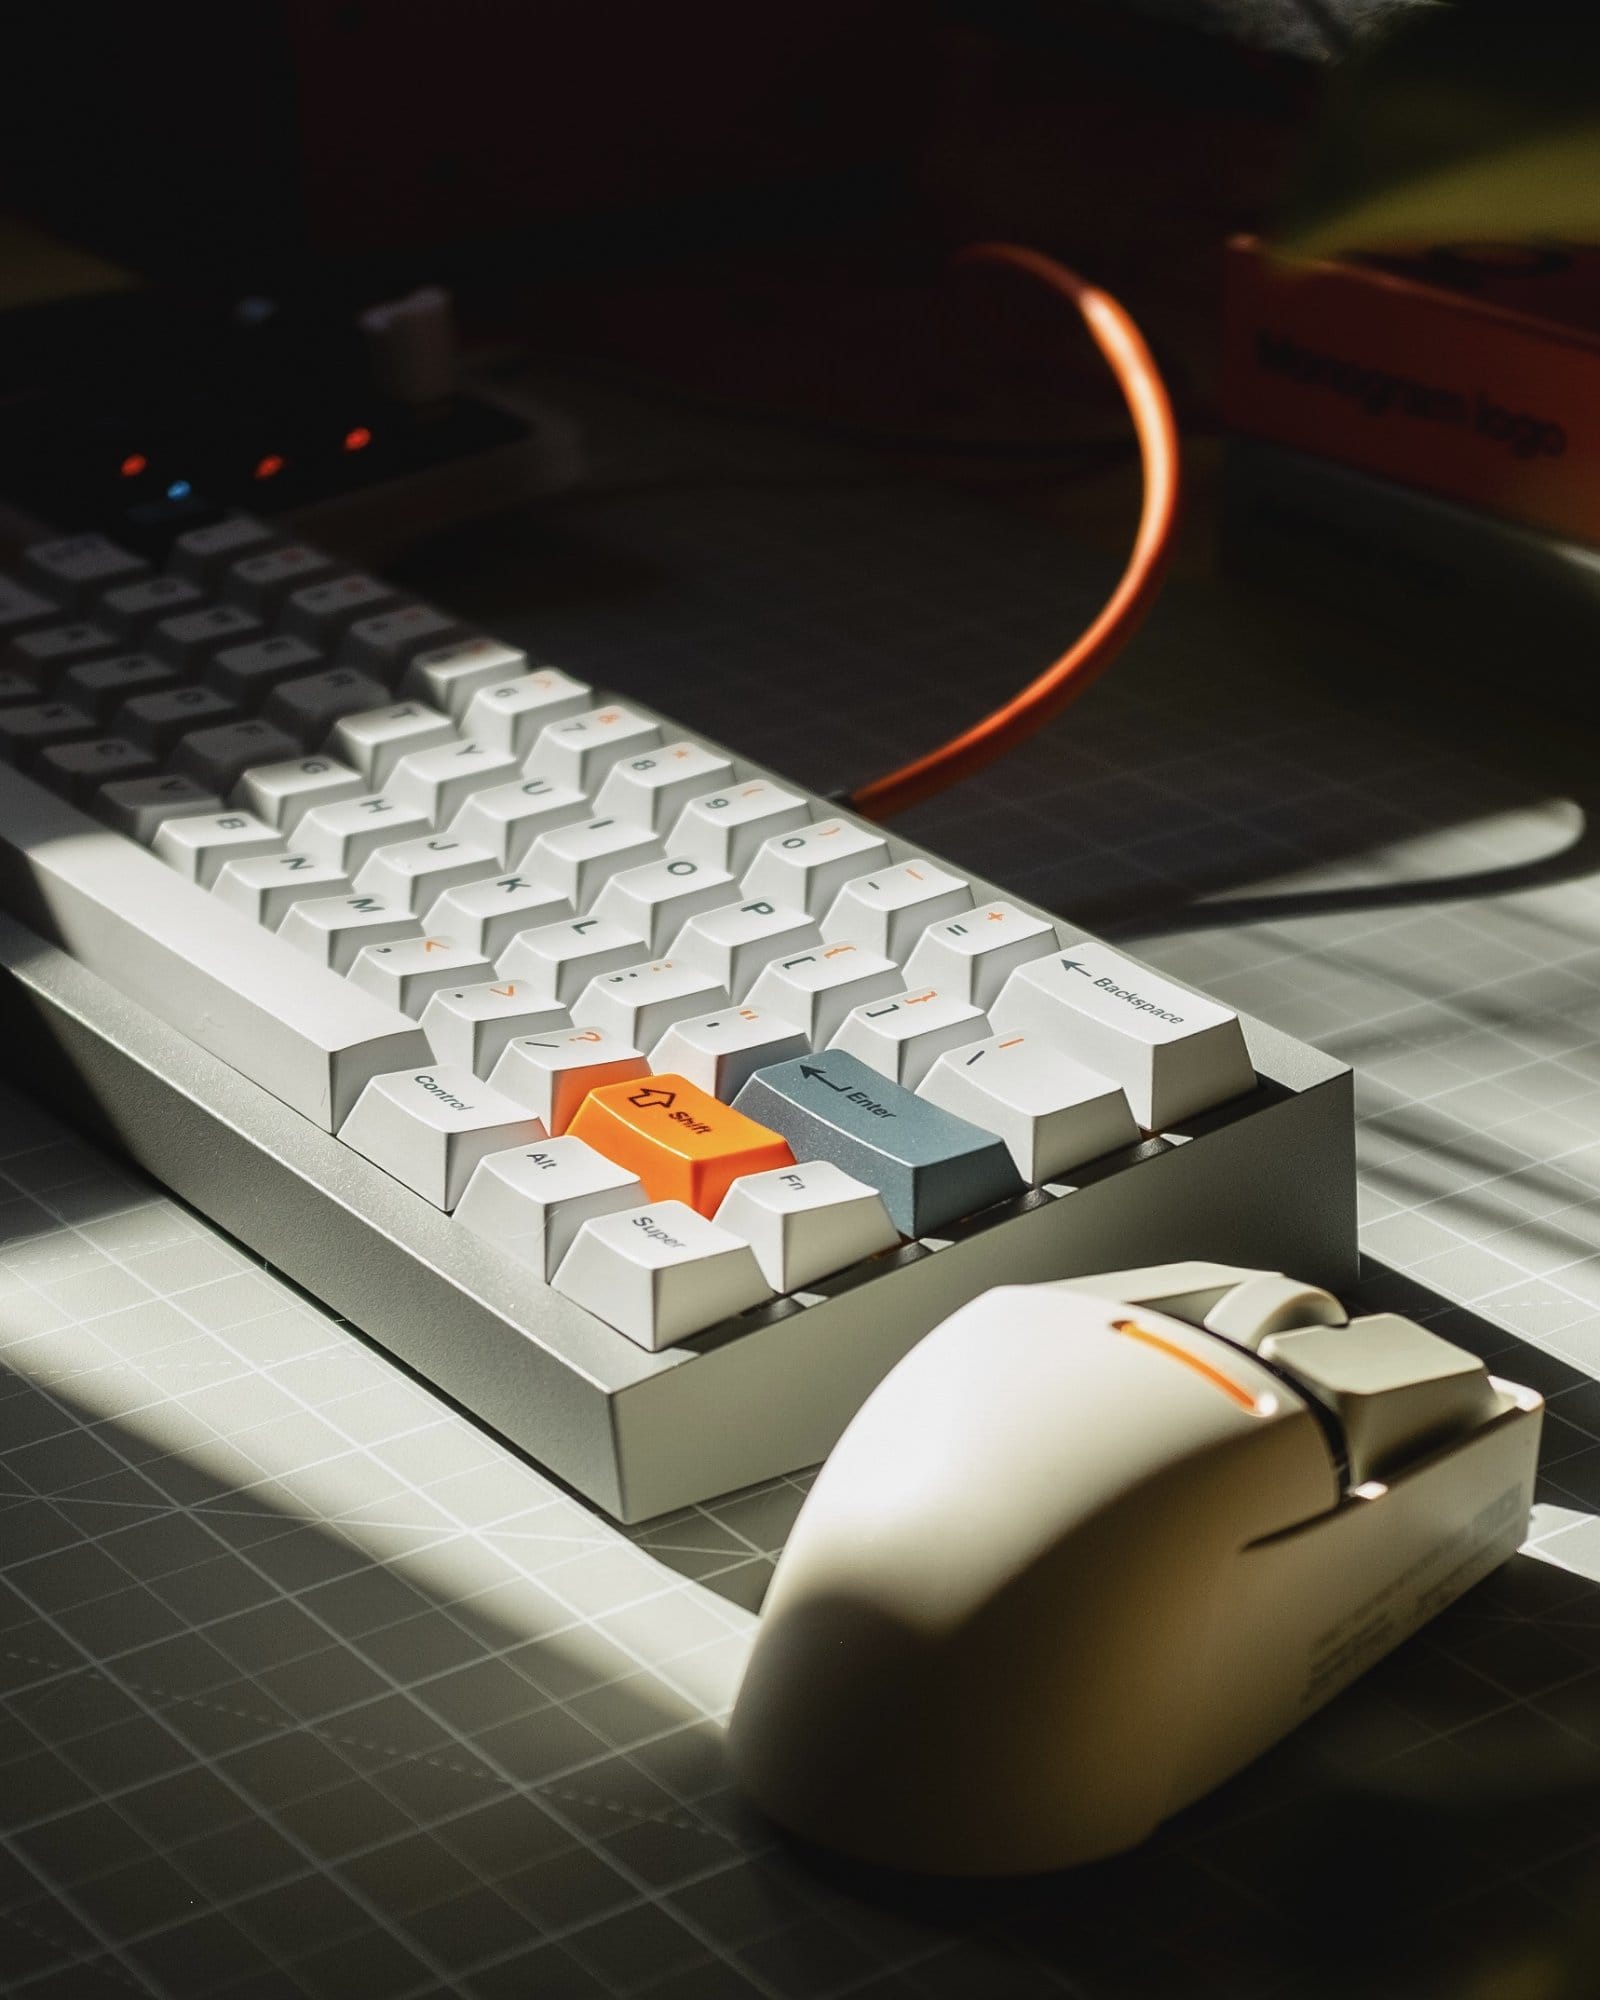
column 1268, row 1304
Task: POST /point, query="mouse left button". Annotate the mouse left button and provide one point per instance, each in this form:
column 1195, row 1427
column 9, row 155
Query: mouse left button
column 1396, row 1389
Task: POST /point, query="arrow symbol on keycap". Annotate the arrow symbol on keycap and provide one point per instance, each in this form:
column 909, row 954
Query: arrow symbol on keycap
column 648, row 1097
column 1076, row 965
column 821, row 1076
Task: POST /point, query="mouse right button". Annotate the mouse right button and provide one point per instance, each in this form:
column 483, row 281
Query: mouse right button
column 1397, row 1389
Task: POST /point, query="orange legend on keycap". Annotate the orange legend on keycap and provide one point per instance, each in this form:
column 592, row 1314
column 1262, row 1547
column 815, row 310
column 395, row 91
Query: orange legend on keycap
column 683, row 1144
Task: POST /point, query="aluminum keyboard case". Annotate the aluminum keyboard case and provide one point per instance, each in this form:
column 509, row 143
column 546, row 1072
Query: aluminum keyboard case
column 1266, row 1180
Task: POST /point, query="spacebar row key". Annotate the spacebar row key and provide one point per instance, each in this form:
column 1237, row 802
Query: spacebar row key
column 241, row 992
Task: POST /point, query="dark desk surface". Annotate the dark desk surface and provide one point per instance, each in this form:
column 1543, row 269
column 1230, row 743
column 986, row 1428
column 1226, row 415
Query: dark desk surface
column 309, row 1686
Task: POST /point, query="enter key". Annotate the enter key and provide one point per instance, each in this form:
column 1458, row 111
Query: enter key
column 930, row 1166
column 682, row 1143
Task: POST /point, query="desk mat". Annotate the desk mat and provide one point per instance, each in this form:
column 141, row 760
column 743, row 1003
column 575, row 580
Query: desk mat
column 308, row 1686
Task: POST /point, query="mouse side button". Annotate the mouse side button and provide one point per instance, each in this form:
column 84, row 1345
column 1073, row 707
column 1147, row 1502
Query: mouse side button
column 1397, row 1389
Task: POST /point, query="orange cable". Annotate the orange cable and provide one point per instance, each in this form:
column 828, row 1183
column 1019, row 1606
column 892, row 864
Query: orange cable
column 1139, row 379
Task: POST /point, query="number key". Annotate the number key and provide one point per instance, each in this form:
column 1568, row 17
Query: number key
column 193, row 637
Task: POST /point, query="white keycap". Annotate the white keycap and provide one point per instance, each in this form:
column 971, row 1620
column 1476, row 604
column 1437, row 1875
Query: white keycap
column 431, row 1127
column 375, row 740
column 807, row 1221
column 407, row 974
column 282, row 794
column 471, row 1026
column 581, row 749
column 132, row 606
column 736, row 940
column 891, row 908
column 974, row 955
column 207, row 552
column 323, row 612
column 533, row 1200
column 810, row 866
column 638, row 1003
column 721, row 1051
column 661, row 1273
column 655, row 787
column 310, row 705
column 1052, row 1112
column 232, row 988
column 335, row 929
column 487, row 914
column 267, row 888
column 416, row 873
column 559, row 960
column 439, row 782
column 386, row 642
column 199, row 847
column 509, row 713
column 581, row 858
column 727, row 829
column 140, row 807
column 447, row 677
column 190, row 638
column 904, row 1034
column 816, row 989
column 21, row 607
column 552, row 1074
column 658, row 899
column 508, row 819
column 1174, row 1052
column 77, row 566
column 261, row 582
column 346, row 832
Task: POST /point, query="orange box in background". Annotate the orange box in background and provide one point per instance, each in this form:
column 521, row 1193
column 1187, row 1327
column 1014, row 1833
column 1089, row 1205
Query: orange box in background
column 1474, row 374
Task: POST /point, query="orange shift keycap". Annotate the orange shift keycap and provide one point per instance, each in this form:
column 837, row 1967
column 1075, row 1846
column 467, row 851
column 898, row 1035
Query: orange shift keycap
column 682, row 1143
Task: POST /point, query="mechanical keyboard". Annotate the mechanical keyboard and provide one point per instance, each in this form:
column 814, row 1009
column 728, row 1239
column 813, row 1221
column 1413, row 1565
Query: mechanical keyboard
column 646, row 1104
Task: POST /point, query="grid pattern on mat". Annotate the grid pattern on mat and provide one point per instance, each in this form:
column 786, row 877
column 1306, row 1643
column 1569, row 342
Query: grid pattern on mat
column 309, row 1686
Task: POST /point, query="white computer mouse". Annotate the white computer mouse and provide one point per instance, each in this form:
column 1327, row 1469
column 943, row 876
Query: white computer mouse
column 1076, row 1560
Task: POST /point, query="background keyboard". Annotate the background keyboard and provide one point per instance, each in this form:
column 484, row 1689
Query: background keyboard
column 648, row 1105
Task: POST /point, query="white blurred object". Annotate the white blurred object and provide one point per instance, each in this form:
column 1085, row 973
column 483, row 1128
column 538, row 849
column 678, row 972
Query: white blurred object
column 412, row 345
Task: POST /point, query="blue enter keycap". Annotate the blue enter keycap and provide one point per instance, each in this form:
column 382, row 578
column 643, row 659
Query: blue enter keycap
column 930, row 1166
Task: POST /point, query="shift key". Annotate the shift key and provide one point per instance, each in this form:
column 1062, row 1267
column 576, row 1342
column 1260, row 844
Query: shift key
column 930, row 1166
column 683, row 1144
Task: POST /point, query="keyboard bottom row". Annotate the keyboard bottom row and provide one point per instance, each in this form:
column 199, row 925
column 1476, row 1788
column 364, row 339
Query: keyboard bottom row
column 664, row 1210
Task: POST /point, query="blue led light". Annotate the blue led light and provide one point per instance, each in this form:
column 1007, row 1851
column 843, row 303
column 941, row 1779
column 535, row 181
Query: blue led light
column 180, row 489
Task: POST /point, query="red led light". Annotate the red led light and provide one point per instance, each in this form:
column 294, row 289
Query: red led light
column 269, row 467
column 134, row 464
column 357, row 439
